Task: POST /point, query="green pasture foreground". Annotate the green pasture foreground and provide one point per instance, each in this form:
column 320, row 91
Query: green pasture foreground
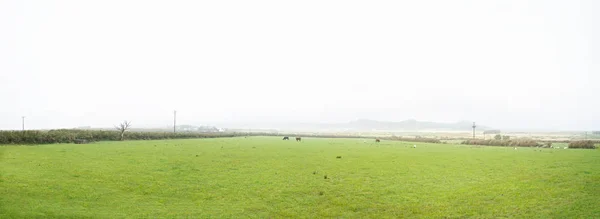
column 265, row 177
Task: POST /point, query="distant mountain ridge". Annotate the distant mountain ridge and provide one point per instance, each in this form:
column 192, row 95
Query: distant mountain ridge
column 412, row 124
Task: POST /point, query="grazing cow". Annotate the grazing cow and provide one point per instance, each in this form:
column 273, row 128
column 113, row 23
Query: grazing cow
column 286, row 138
column 298, row 139
column 377, row 140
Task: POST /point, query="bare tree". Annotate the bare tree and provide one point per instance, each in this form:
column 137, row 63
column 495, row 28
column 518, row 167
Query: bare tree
column 123, row 127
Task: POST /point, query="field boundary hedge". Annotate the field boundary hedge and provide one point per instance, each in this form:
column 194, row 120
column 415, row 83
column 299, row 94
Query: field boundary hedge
column 587, row 144
column 505, row 143
column 76, row 136
column 582, row 144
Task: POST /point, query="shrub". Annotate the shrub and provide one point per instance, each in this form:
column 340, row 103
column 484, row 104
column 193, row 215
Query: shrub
column 494, row 142
column 582, row 144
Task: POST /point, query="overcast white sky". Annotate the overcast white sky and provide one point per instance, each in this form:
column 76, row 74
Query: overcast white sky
column 525, row 64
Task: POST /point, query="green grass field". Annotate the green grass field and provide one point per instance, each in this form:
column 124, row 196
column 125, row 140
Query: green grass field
column 265, row 177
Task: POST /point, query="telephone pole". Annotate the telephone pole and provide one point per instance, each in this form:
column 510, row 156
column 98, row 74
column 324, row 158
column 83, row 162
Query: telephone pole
column 23, row 123
column 474, row 126
column 174, row 121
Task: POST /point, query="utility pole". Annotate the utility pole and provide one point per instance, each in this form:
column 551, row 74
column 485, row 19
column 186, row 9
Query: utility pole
column 474, row 130
column 174, row 121
column 23, row 123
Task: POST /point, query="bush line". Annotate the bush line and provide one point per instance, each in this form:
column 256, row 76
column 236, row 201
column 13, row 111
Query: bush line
column 74, row 136
column 588, row 144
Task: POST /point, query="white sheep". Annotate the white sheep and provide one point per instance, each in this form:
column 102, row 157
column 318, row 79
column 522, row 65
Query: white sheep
column 415, row 146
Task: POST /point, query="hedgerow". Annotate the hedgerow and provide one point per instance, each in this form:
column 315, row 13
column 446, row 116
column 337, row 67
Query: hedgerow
column 72, row 135
column 582, row 144
column 415, row 139
column 506, row 143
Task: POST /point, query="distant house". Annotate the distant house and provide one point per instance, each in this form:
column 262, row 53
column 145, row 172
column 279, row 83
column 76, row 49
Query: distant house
column 491, row 132
column 207, row 129
column 486, row 132
column 191, row 128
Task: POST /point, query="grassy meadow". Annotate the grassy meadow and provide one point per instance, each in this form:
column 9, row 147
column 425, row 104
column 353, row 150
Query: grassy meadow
column 265, row 177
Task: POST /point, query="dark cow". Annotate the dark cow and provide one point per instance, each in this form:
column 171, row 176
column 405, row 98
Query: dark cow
column 298, row 139
column 286, row 138
column 377, row 140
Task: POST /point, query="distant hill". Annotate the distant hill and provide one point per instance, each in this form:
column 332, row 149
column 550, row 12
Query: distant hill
column 413, row 125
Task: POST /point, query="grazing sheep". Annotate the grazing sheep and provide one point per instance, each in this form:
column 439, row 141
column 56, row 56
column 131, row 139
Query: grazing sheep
column 415, row 146
column 565, row 147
